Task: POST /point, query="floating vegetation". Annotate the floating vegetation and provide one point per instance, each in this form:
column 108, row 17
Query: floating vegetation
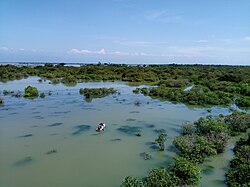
column 130, row 130
column 26, row 136
column 52, row 151
column 145, row 156
column 81, row 129
column 55, row 124
column 23, row 161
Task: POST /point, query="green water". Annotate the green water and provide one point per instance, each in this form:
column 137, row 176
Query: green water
column 29, row 129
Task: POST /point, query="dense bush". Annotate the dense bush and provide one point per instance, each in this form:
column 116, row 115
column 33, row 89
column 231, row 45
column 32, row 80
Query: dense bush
column 131, row 182
column 238, row 122
column 214, row 85
column 239, row 173
column 205, row 126
column 30, row 92
column 194, row 148
column 161, row 140
column 182, row 172
column 160, row 177
column 92, row 93
column 186, row 172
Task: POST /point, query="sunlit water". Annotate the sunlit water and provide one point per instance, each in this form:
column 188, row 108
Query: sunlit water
column 31, row 129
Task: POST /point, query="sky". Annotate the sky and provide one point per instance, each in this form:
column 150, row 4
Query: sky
column 126, row 31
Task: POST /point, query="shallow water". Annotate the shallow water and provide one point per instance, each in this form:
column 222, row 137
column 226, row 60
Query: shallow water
column 52, row 141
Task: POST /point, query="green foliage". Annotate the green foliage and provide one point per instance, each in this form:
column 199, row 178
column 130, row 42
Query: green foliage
column 204, row 126
column 243, row 101
column 182, row 172
column 238, row 174
column 160, row 177
column 187, row 172
column 42, row 95
column 30, row 92
column 238, row 122
column 131, row 182
column 136, row 91
column 194, row 148
column 174, row 82
column 92, row 93
column 213, row 85
column 161, row 140
column 206, row 137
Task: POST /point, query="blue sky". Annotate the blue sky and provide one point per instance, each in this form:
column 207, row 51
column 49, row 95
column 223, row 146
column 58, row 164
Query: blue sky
column 126, row 31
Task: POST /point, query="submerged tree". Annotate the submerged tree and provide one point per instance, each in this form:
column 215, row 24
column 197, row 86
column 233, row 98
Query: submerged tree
column 160, row 140
column 1, row 101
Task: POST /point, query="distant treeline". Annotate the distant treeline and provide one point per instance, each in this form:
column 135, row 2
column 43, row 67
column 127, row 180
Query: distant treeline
column 213, row 85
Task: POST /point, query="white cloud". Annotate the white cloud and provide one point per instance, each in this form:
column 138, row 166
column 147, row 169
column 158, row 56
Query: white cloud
column 103, row 52
column 86, row 51
column 119, row 53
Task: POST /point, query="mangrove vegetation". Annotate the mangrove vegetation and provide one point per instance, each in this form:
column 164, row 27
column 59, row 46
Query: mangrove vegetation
column 204, row 138
column 211, row 85
column 93, row 93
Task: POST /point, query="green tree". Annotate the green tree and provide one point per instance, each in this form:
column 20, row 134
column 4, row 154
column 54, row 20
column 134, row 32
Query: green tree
column 187, row 172
column 161, row 140
column 160, row 177
column 30, row 92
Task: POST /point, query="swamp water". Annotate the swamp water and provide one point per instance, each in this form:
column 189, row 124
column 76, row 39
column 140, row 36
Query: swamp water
column 52, row 142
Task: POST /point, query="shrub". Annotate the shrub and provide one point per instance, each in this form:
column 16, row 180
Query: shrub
column 243, row 101
column 42, row 95
column 136, row 91
column 30, row 92
column 238, row 122
column 161, row 140
column 205, row 126
column 131, row 182
column 91, row 93
column 160, row 177
column 238, row 174
column 194, row 148
column 187, row 172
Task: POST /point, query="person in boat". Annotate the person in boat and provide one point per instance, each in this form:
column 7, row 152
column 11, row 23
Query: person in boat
column 101, row 127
